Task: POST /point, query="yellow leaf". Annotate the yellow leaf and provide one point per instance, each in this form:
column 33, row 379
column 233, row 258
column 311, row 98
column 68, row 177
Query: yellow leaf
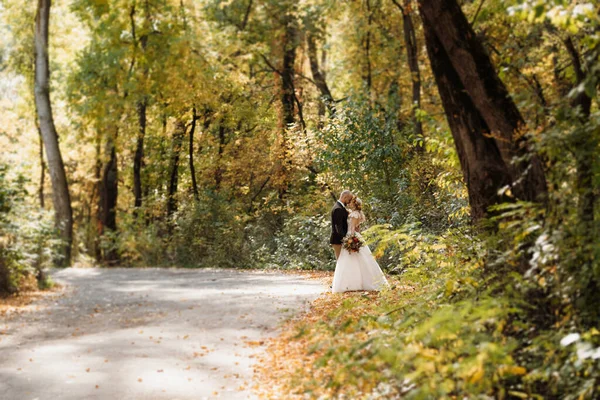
column 477, row 375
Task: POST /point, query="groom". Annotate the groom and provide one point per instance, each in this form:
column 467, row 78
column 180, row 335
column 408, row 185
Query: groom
column 339, row 222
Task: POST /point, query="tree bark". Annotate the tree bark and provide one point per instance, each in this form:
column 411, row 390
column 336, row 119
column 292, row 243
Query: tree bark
column 484, row 169
column 60, row 189
column 138, row 159
column 288, row 72
column 487, row 93
column 288, row 97
column 583, row 157
column 191, row 155
column 109, row 191
column 42, row 168
column 176, row 146
column 318, row 76
column 221, row 149
column 368, row 77
column 142, row 106
column 95, row 196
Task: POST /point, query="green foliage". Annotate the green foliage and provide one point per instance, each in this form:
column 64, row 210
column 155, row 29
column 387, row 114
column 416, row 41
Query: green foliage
column 360, row 147
column 206, row 233
column 302, row 243
column 27, row 238
column 459, row 321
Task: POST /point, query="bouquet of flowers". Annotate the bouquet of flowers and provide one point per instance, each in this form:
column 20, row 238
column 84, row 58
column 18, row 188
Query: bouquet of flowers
column 353, row 242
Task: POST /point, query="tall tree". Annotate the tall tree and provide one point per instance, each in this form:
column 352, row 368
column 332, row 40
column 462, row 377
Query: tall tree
column 195, row 119
column 176, row 145
column 445, row 24
column 108, row 189
column 582, row 102
column 412, row 53
column 142, row 103
column 317, row 74
column 287, row 74
column 483, row 168
column 60, row 187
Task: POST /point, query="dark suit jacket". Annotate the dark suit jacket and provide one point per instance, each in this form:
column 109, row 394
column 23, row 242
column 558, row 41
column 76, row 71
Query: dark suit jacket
column 339, row 223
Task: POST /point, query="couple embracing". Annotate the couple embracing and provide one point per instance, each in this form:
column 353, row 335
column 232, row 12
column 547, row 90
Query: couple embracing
column 356, row 268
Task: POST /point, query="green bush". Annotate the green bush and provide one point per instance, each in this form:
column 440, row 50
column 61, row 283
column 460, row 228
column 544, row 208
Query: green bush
column 302, row 243
column 28, row 241
column 205, row 233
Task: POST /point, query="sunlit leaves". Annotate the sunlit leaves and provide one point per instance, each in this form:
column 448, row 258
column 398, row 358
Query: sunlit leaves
column 569, row 15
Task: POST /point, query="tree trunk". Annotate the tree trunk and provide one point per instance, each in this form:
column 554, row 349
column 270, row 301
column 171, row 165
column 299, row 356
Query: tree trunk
column 42, row 168
column 138, row 159
column 287, row 73
column 108, row 191
column 95, row 197
column 58, row 177
column 176, row 146
column 221, row 149
column 191, row 155
column 583, row 145
column 412, row 53
column 368, row 76
column 318, row 76
column 142, row 107
column 288, row 98
column 484, row 170
column 487, row 93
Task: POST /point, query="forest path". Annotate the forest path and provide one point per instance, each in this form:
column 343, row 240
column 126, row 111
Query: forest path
column 147, row 334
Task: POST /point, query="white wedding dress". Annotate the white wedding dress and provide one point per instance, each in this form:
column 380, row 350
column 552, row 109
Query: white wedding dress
column 357, row 270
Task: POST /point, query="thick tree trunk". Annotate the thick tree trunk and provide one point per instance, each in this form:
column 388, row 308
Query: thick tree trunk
column 484, row 170
column 412, row 53
column 108, row 189
column 138, row 158
column 58, row 177
column 487, row 93
column 176, row 146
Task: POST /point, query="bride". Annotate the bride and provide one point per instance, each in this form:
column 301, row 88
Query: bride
column 357, row 270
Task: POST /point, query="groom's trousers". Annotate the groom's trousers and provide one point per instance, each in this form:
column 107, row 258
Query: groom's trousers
column 337, row 248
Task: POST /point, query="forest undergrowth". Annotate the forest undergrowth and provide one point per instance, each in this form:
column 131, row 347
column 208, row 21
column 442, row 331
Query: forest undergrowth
column 454, row 323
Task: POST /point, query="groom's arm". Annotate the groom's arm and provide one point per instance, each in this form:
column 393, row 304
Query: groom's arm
column 338, row 221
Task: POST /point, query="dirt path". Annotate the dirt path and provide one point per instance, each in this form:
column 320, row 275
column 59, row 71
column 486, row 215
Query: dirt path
column 147, row 334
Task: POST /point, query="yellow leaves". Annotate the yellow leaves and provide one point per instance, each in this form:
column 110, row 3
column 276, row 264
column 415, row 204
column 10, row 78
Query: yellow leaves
column 520, row 395
column 449, row 288
column 477, row 374
column 512, row 370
